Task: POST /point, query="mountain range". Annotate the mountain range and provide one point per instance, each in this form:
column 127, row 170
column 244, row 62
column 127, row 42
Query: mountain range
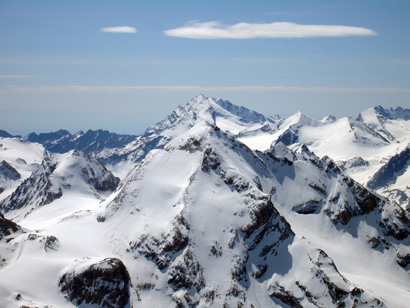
column 214, row 206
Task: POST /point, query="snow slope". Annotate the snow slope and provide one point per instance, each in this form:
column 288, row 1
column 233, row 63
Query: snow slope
column 69, row 177
column 18, row 159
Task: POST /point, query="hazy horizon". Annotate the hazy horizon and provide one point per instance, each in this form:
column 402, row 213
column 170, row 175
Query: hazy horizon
column 123, row 66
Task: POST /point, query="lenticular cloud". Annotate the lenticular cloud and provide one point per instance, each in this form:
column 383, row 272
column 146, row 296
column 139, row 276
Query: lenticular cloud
column 121, row 29
column 216, row 30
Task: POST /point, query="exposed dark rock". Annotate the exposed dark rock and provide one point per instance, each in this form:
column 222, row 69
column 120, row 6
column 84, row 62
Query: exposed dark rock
column 187, row 273
column 108, row 183
column 396, row 164
column 238, row 183
column 210, row 160
column 7, row 226
column 354, row 163
column 319, row 188
column 216, row 250
column 403, row 260
column 365, row 199
column 343, row 216
column 374, row 242
column 41, row 189
column 288, row 138
column 105, row 284
column 8, row 172
column 178, row 242
column 308, row 207
column 239, row 271
column 392, row 229
column 63, row 141
column 286, row 297
column 192, row 145
column 331, row 165
column 162, row 251
column 37, row 188
column 52, row 243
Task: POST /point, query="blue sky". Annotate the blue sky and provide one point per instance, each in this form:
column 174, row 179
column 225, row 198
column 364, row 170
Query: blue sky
column 59, row 68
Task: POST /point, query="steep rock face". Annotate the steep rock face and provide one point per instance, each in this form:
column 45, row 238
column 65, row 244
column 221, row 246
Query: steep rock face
column 7, row 226
column 103, row 284
column 325, row 288
column 58, row 175
column 94, row 173
column 48, row 138
column 391, row 179
column 329, row 191
column 35, row 191
column 386, row 121
column 8, row 172
column 388, row 173
column 18, row 159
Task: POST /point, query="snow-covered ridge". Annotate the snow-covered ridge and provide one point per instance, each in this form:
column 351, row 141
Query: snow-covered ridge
column 73, row 173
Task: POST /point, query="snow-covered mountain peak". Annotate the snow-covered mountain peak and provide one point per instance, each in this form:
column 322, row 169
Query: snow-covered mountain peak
column 298, row 119
column 200, row 102
column 378, row 115
column 280, row 150
column 328, row 119
column 392, row 124
column 392, row 113
column 210, row 109
column 73, row 173
column 216, row 112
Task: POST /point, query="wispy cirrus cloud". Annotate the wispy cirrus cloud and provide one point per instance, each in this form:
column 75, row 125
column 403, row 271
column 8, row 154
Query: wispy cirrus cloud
column 216, row 30
column 119, row 29
column 84, row 88
column 405, row 62
column 16, row 76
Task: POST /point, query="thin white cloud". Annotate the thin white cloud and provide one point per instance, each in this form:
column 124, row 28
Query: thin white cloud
column 79, row 88
column 120, row 29
column 404, row 62
column 216, row 30
column 16, row 76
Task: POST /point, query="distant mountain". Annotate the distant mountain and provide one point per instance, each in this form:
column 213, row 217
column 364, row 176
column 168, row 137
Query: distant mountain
column 361, row 146
column 5, row 134
column 73, row 173
column 225, row 115
column 18, row 159
column 91, row 142
column 388, row 122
